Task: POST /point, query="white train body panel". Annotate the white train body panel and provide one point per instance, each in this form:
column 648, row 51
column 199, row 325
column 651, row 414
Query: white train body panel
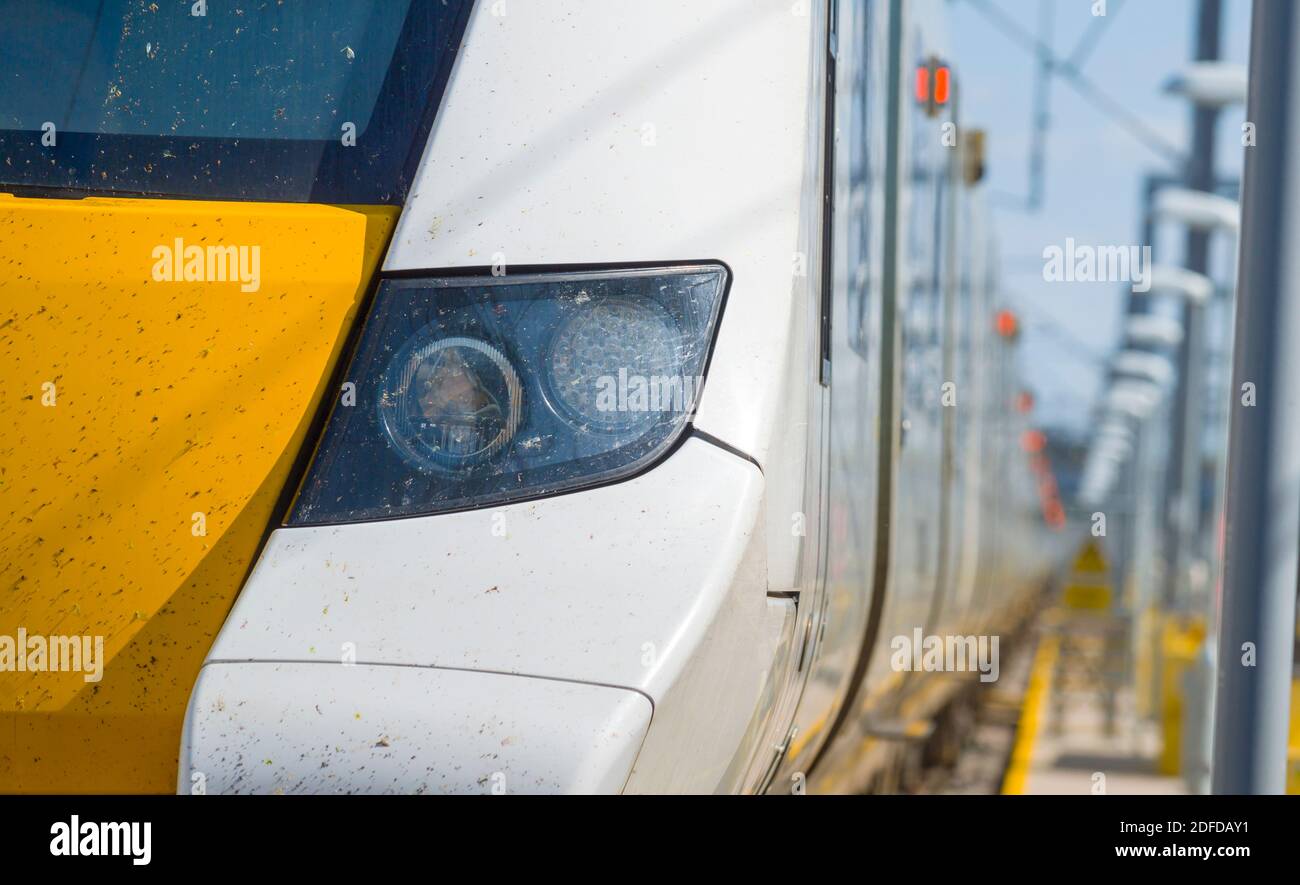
column 551, row 598
column 280, row 728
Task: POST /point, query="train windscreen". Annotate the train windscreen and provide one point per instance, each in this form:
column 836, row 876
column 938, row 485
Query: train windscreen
column 259, row 100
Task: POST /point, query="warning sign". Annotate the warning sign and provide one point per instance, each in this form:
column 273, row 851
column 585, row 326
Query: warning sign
column 1090, row 561
column 1095, row 597
column 1089, row 585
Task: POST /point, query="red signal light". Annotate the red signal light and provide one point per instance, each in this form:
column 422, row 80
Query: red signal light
column 1006, row 323
column 933, row 86
column 941, row 85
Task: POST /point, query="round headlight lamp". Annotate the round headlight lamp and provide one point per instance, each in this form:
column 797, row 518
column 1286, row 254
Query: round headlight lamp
column 450, row 403
column 609, row 360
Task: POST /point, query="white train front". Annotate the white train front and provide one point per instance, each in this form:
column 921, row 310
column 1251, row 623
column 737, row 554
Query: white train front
column 675, row 395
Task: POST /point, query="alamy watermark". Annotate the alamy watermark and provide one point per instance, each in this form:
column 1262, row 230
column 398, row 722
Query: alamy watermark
column 646, row 393
column 1098, row 264
column 946, row 654
column 52, row 654
column 179, row 263
column 78, row 838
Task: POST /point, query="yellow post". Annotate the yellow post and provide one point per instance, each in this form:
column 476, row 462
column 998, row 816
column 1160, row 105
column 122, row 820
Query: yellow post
column 1180, row 641
column 1293, row 745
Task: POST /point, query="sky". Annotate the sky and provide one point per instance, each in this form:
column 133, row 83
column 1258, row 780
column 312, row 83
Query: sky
column 1094, row 167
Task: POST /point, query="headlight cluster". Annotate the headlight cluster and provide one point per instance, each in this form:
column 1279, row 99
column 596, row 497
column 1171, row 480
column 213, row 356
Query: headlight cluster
column 478, row 390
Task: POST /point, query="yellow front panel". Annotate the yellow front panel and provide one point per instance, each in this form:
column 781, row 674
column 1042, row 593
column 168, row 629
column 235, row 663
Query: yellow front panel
column 149, row 428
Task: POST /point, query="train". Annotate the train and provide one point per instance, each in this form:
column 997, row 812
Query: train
column 439, row 396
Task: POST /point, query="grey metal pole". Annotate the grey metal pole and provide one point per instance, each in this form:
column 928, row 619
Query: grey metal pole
column 1258, row 609
column 1042, row 106
column 1185, row 456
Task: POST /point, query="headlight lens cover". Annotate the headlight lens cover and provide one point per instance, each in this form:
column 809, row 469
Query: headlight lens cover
column 472, row 391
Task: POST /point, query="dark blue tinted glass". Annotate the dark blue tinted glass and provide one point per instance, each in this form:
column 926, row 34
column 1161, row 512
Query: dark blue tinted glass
column 251, row 100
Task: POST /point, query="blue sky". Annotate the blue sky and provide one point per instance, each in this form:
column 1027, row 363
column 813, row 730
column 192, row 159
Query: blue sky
column 1094, row 168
